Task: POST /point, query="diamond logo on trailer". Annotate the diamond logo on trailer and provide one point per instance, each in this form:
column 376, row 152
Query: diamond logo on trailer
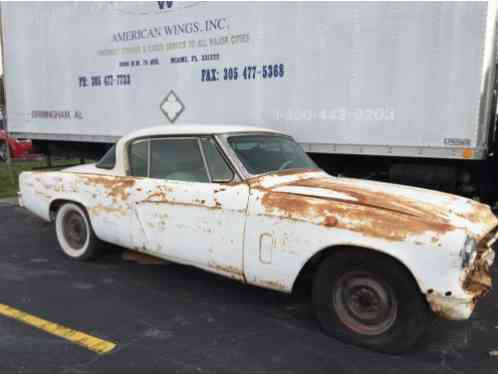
column 172, row 106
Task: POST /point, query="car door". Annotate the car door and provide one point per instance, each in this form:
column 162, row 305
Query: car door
column 188, row 208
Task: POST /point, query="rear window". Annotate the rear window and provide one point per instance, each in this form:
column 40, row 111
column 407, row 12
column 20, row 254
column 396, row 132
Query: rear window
column 108, row 161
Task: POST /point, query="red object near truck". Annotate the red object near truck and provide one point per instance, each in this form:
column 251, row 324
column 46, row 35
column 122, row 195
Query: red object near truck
column 18, row 148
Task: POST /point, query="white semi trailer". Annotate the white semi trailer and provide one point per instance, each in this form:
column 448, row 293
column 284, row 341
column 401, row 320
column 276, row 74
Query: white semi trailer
column 392, row 91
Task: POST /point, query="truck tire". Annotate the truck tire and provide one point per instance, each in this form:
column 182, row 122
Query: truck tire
column 369, row 300
column 75, row 233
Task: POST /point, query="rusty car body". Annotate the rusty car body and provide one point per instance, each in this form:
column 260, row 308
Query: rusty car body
column 266, row 229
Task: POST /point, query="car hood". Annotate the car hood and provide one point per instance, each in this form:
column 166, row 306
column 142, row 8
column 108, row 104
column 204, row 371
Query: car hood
column 394, row 211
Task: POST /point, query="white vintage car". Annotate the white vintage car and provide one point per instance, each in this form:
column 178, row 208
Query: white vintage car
column 249, row 204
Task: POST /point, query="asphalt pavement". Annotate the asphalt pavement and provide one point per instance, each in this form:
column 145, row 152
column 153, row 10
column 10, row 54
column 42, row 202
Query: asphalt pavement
column 173, row 318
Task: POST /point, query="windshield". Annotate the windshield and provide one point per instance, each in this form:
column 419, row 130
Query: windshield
column 268, row 153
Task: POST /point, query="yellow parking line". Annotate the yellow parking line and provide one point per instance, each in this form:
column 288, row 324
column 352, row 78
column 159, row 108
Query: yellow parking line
column 90, row 342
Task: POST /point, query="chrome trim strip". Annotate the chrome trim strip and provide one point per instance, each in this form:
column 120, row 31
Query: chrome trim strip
column 203, row 156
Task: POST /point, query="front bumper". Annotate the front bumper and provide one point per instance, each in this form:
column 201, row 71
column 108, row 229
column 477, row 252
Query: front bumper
column 451, row 308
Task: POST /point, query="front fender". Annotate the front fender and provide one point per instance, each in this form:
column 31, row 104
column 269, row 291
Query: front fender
column 433, row 268
column 290, row 244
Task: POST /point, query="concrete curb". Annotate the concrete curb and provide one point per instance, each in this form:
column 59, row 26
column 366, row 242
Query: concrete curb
column 10, row 201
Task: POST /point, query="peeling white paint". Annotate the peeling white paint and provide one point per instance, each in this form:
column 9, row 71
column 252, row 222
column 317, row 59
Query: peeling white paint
column 219, row 227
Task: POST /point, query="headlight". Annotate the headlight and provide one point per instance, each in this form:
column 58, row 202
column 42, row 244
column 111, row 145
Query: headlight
column 468, row 252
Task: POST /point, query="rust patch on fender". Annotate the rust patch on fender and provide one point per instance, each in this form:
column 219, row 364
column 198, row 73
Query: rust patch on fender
column 117, row 187
column 477, row 280
column 195, row 203
column 365, row 219
column 217, row 203
column 329, row 221
column 225, row 268
column 255, row 182
column 229, row 271
column 142, row 258
column 270, row 284
column 480, row 213
column 161, row 194
column 100, row 209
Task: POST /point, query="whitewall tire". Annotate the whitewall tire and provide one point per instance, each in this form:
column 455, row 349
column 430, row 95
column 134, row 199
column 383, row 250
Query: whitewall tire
column 75, row 234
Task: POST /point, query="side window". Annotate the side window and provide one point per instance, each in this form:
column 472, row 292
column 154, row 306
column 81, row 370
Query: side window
column 177, row 159
column 218, row 167
column 108, row 161
column 138, row 158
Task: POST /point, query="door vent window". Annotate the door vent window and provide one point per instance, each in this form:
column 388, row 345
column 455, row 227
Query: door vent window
column 108, row 161
column 218, row 167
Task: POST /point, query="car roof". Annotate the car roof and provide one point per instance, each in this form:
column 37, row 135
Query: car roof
column 194, row 129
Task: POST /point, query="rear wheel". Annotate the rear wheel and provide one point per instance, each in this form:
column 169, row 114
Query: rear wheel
column 75, row 234
column 369, row 300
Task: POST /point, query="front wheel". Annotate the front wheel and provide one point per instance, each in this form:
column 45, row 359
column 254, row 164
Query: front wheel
column 75, row 234
column 369, row 300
